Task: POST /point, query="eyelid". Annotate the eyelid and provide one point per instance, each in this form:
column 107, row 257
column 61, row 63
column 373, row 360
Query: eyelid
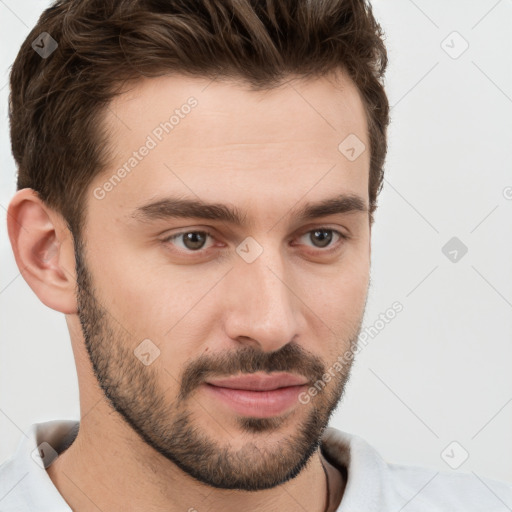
column 310, row 229
column 174, row 236
column 210, row 233
column 331, row 248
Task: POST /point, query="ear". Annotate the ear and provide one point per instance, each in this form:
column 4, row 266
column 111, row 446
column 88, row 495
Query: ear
column 43, row 248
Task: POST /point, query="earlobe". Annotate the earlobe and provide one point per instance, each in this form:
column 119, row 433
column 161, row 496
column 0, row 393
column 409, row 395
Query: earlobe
column 43, row 249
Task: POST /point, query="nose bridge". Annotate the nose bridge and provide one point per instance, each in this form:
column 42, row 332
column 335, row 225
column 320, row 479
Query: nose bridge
column 262, row 304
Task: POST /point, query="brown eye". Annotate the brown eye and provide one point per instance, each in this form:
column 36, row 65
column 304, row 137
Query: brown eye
column 194, row 240
column 191, row 240
column 321, row 236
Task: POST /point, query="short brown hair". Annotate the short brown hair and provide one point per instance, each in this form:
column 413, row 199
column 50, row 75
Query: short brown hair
column 56, row 103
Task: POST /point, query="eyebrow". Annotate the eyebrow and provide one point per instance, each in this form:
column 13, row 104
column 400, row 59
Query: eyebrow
column 179, row 207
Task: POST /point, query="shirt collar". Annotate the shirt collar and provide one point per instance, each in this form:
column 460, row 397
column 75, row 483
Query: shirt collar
column 25, row 483
column 367, row 473
column 28, row 481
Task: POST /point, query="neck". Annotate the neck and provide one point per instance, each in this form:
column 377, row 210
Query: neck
column 335, row 485
column 100, row 468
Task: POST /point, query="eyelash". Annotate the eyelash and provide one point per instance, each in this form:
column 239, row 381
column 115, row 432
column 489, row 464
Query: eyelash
column 330, row 248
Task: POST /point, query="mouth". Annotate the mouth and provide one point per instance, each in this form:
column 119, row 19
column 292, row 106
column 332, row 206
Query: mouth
column 259, row 381
column 257, row 395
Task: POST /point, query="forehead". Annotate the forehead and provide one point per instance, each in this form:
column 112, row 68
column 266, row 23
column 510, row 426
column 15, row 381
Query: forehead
column 238, row 114
column 220, row 141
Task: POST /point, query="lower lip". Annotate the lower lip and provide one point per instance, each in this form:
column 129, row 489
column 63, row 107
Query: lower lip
column 258, row 404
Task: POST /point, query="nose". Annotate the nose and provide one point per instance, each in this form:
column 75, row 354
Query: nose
column 262, row 310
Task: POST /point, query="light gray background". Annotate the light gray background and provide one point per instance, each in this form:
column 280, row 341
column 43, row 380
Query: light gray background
column 440, row 371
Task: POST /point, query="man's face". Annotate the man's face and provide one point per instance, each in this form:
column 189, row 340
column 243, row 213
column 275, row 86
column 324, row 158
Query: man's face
column 275, row 293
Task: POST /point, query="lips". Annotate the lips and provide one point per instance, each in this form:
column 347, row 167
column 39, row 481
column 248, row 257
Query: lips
column 259, row 381
column 257, row 395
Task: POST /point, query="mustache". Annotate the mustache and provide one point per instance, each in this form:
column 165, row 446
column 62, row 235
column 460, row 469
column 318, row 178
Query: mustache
column 290, row 358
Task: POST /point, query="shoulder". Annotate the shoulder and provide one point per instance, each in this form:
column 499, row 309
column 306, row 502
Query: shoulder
column 24, row 482
column 427, row 489
column 11, row 482
column 374, row 484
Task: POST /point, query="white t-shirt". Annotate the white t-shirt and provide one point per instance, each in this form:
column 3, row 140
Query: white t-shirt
column 373, row 485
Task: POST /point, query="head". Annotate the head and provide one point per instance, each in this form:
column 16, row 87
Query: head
column 199, row 189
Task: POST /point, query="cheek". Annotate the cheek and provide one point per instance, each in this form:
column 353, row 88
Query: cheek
column 338, row 295
column 333, row 309
column 339, row 312
column 159, row 302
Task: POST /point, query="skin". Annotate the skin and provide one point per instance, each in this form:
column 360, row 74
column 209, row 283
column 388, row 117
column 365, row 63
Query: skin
column 150, row 437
